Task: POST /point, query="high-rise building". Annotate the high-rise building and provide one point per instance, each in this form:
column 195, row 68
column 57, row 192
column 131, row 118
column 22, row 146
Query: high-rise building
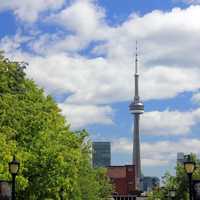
column 101, row 154
column 136, row 108
column 148, row 183
column 180, row 158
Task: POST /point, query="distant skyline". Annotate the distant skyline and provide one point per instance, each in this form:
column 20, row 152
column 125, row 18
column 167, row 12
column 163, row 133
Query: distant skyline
column 82, row 53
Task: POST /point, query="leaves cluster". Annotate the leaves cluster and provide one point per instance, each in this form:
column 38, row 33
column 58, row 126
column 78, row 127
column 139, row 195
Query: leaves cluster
column 51, row 155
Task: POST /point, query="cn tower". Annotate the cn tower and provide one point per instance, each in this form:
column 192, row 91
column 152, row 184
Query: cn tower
column 136, row 108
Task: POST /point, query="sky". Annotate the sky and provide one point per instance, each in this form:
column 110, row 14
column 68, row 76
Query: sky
column 82, row 53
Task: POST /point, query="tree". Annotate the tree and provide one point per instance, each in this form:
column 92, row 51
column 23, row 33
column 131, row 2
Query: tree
column 51, row 155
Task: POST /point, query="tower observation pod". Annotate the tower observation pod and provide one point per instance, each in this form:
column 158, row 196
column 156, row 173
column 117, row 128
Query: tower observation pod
column 136, row 108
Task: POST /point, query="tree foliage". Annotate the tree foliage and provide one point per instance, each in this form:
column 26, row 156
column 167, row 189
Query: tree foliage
column 51, row 155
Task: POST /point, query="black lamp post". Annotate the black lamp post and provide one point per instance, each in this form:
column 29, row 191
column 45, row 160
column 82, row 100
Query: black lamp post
column 13, row 168
column 62, row 193
column 189, row 166
column 172, row 193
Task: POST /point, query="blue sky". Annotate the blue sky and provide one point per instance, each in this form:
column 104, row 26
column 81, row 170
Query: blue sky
column 82, row 53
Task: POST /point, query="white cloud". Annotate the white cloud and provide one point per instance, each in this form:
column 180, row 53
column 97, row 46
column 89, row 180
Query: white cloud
column 164, row 82
column 28, row 10
column 84, row 22
column 101, row 80
column 82, row 17
column 162, row 36
column 158, row 153
column 87, row 81
column 81, row 115
column 169, row 122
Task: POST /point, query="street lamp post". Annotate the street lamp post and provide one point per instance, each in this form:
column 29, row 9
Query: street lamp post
column 172, row 193
column 166, row 196
column 189, row 166
column 13, row 168
column 61, row 193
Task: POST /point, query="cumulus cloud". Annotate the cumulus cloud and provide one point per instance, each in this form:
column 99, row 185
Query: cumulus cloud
column 81, row 115
column 169, row 122
column 87, row 81
column 160, row 153
column 162, row 82
column 81, row 17
column 101, row 80
column 29, row 10
column 162, row 36
column 83, row 22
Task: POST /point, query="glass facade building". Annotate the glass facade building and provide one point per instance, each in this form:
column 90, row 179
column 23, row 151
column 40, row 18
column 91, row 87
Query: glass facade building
column 101, row 154
column 149, row 183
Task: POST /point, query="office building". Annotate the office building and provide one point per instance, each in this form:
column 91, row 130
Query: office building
column 180, row 158
column 101, row 154
column 148, row 183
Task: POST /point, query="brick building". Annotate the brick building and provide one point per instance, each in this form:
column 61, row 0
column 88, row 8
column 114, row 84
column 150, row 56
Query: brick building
column 123, row 179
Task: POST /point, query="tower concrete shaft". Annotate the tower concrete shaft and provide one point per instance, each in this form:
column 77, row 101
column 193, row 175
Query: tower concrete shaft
column 136, row 152
column 136, row 108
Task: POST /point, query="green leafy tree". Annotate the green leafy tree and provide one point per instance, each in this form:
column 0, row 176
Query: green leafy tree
column 51, row 155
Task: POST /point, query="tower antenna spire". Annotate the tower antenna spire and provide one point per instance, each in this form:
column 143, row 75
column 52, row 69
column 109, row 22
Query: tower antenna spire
column 136, row 57
column 136, row 97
